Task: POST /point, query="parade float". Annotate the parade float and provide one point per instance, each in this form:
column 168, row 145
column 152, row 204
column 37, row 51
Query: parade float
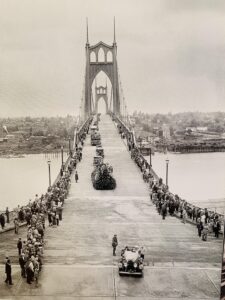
column 102, row 178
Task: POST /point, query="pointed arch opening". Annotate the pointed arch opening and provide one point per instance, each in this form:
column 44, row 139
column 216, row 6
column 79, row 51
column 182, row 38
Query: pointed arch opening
column 109, row 56
column 92, row 57
column 101, row 55
column 102, row 106
column 102, row 79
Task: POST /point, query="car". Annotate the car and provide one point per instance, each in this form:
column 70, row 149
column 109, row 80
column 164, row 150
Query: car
column 93, row 129
column 131, row 261
column 100, row 151
column 95, row 142
column 95, row 139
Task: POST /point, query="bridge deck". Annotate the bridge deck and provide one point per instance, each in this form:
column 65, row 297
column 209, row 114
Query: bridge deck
column 78, row 255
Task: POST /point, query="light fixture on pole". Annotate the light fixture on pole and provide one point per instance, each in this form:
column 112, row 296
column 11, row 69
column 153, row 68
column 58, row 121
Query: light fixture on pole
column 49, row 172
column 167, row 164
column 150, row 158
column 70, row 147
column 62, row 156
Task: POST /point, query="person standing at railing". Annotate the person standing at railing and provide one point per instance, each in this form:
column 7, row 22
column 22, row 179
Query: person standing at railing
column 29, row 270
column 16, row 225
column 2, row 221
column 59, row 210
column 184, row 215
column 69, row 169
column 22, row 262
column 206, row 215
column 7, row 214
column 203, row 218
column 19, row 246
column 217, row 227
column 205, row 232
column 164, row 210
column 75, row 163
column 76, row 177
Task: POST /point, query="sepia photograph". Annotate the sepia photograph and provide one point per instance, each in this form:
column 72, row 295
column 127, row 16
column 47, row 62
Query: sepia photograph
column 112, row 149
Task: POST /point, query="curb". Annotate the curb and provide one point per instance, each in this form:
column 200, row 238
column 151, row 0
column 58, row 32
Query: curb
column 12, row 228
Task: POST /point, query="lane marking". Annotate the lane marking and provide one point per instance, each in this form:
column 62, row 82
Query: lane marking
column 210, row 279
column 155, row 267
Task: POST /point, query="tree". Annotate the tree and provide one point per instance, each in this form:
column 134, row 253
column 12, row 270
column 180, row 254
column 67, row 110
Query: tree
column 194, row 123
column 145, row 127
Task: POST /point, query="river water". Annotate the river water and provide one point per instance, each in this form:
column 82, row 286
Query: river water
column 198, row 177
column 22, row 178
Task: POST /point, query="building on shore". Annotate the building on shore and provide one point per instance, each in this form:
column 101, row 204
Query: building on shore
column 166, row 132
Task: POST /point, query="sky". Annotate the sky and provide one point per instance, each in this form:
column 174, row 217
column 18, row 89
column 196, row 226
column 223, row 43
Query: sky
column 171, row 54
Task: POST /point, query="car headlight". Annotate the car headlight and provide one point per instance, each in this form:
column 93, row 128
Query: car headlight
column 135, row 265
column 141, row 267
column 120, row 265
column 125, row 264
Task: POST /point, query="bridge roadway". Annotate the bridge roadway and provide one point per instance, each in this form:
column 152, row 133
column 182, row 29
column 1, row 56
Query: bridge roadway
column 78, row 255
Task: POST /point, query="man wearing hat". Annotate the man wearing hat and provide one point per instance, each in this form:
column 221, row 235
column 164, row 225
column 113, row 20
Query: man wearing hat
column 19, row 246
column 8, row 271
column 114, row 244
column 22, row 262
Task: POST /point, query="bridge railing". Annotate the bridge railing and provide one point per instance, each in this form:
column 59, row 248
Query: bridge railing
column 127, row 130
column 80, row 131
column 130, row 136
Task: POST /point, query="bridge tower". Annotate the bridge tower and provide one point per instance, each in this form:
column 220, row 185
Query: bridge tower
column 101, row 92
column 94, row 65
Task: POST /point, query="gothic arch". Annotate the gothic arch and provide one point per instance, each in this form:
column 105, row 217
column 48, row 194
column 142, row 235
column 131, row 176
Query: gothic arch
column 103, row 69
column 93, row 56
column 101, row 55
column 105, row 99
column 104, row 54
column 109, row 57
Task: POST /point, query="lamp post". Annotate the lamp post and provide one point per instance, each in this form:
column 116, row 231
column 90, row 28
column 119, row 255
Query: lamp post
column 49, row 172
column 167, row 164
column 62, row 155
column 150, row 158
column 140, row 143
column 69, row 146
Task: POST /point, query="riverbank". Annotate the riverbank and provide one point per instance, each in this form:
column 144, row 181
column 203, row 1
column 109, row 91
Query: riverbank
column 21, row 154
column 195, row 150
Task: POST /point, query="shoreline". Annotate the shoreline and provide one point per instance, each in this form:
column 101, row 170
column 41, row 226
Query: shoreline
column 190, row 152
column 22, row 154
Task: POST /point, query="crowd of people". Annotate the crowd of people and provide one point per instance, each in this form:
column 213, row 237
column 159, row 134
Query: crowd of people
column 168, row 204
column 50, row 205
column 31, row 249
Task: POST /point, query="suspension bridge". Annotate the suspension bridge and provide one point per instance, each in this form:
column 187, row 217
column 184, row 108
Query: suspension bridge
column 78, row 261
